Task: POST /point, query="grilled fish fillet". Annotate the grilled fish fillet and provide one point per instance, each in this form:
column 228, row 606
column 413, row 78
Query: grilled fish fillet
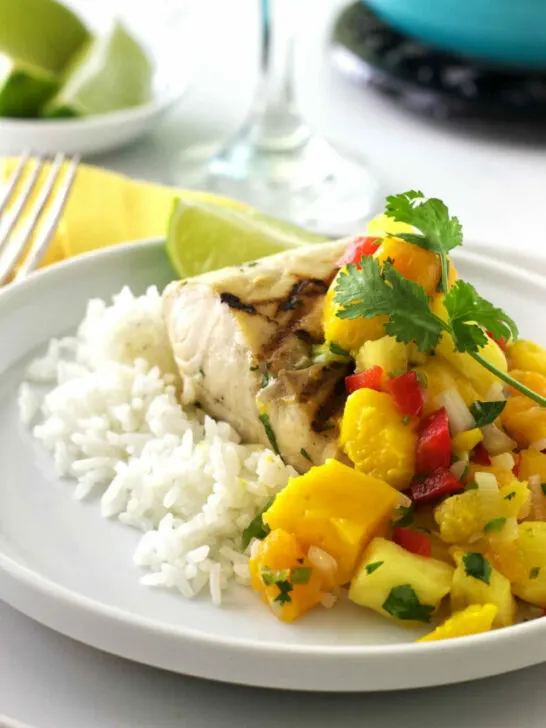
column 242, row 338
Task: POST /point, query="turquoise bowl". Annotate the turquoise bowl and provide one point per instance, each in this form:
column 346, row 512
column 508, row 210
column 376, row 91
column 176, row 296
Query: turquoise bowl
column 505, row 32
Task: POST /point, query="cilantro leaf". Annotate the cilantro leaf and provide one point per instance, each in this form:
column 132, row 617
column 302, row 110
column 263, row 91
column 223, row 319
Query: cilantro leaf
column 370, row 568
column 406, row 515
column 439, row 232
column 283, row 597
column 372, row 291
column 535, row 571
column 494, row 525
column 476, row 565
column 469, row 314
column 301, row 574
column 486, row 412
column 257, row 528
column 403, row 603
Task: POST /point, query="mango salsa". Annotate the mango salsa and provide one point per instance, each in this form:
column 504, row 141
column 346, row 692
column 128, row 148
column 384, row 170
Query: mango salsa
column 335, row 508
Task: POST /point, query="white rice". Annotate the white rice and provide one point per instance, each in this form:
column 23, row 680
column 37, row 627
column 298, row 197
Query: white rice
column 112, row 421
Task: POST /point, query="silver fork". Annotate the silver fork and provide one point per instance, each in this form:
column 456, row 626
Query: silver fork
column 14, row 243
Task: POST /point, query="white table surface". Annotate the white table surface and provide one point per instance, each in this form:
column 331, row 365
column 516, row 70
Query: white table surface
column 497, row 189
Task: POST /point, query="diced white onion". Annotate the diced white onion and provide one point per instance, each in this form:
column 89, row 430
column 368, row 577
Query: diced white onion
column 496, row 441
column 486, row 482
column 328, row 600
column 505, row 461
column 322, row 561
column 404, row 501
column 538, row 444
column 255, row 547
column 495, row 393
column 459, row 416
column 538, row 499
column 458, row 468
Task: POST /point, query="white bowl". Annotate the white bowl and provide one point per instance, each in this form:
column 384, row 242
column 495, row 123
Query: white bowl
column 87, row 136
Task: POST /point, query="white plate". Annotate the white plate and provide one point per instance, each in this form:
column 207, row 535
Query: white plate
column 63, row 565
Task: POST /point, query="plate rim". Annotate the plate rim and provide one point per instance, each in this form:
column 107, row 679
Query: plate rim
column 32, row 581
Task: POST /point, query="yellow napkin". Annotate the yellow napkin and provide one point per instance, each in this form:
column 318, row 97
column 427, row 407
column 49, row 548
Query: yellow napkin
column 106, row 208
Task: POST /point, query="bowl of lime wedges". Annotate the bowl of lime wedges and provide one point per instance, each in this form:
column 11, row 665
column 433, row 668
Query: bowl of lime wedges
column 70, row 84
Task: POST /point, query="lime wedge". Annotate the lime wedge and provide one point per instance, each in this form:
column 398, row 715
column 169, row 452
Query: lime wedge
column 110, row 72
column 42, row 33
column 24, row 89
column 203, row 237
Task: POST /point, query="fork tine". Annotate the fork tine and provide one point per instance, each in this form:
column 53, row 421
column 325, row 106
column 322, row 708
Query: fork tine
column 41, row 242
column 16, row 246
column 13, row 180
column 12, row 217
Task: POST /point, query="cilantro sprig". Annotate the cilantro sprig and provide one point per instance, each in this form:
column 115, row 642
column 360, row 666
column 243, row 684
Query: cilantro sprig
column 371, row 289
column 437, row 231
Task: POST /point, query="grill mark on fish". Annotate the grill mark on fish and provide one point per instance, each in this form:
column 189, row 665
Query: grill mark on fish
column 235, row 302
column 307, row 287
column 329, row 413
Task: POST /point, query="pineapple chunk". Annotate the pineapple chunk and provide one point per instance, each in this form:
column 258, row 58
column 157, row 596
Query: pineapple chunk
column 531, row 587
column 474, row 619
column 475, row 581
column 480, row 378
column 440, row 375
column 533, row 462
column 466, row 441
column 374, row 436
column 527, row 356
column 335, row 508
column 386, row 352
column 399, row 584
column 350, row 334
column 285, row 578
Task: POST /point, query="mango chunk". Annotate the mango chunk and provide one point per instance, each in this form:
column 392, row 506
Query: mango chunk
column 335, row 508
column 474, row 619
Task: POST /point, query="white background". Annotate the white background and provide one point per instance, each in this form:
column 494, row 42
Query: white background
column 496, row 187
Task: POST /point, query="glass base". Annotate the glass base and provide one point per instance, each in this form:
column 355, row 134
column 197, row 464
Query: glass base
column 309, row 183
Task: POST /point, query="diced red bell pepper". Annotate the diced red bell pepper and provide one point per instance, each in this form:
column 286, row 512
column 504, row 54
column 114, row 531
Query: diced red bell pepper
column 438, row 484
column 413, row 541
column 434, row 443
column 357, row 249
column 407, row 393
column 368, row 379
column 480, row 456
column 517, row 464
column 501, row 342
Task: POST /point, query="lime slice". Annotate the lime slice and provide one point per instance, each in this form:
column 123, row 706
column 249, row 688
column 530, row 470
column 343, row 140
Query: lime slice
column 111, row 72
column 42, row 33
column 24, row 89
column 203, row 237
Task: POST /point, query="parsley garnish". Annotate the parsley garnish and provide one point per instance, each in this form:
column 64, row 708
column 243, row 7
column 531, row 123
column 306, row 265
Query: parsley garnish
column 285, row 587
column 265, row 380
column 264, row 419
column 476, row 565
column 406, row 515
column 486, row 412
column 257, row 528
column 370, row 568
column 494, row 525
column 371, row 290
column 305, row 454
column 535, row 571
column 255, row 368
column 543, row 486
column 510, row 495
column 403, row 603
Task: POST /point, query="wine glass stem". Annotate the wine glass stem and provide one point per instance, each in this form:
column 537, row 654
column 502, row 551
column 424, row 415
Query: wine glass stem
column 274, row 123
